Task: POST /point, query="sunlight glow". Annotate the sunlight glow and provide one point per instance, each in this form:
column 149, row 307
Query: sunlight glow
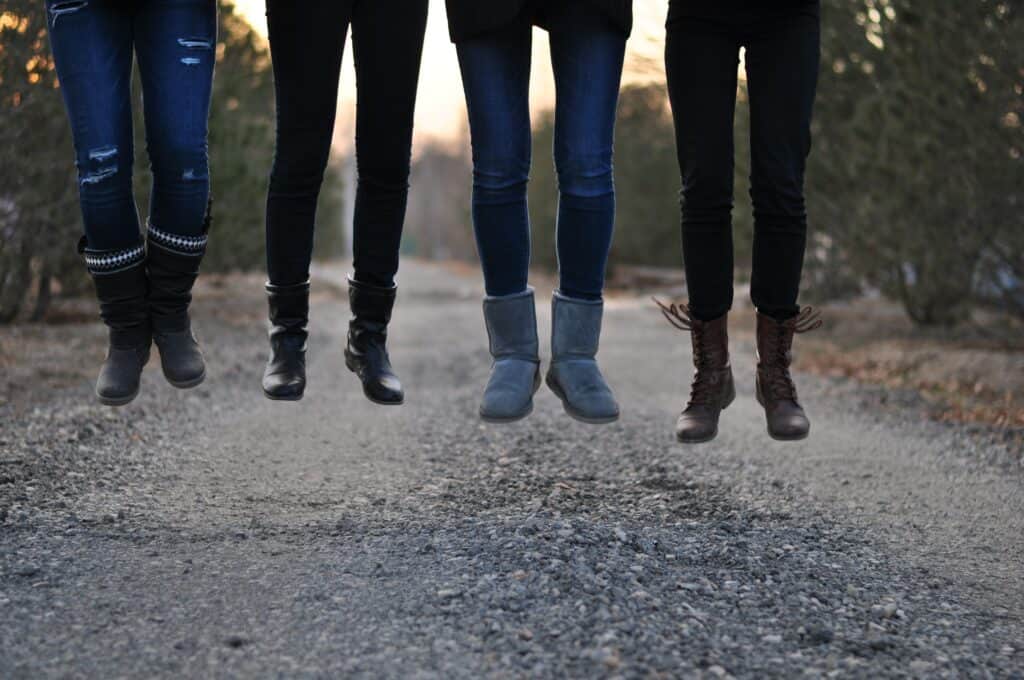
column 440, row 109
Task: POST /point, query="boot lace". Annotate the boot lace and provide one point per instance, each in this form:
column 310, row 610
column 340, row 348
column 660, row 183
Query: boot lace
column 705, row 385
column 779, row 382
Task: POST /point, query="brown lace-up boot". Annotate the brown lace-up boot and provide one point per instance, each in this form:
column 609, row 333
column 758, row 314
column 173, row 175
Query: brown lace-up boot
column 775, row 389
column 713, row 388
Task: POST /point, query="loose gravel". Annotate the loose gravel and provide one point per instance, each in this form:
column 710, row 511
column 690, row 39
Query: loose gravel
column 213, row 533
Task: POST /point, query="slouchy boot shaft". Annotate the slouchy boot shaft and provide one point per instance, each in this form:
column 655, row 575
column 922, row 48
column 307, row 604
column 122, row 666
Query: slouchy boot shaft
column 172, row 263
column 120, row 280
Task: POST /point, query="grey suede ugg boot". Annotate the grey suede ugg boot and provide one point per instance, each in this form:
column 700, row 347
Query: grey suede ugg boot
column 574, row 376
column 515, row 374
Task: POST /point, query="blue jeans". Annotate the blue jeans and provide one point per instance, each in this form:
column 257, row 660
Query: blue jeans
column 93, row 43
column 586, row 54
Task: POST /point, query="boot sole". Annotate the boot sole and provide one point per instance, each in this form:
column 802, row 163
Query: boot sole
column 783, row 438
column 379, row 402
column 272, row 397
column 117, row 401
column 703, row 440
column 187, row 384
column 504, row 421
column 728, row 402
column 572, row 413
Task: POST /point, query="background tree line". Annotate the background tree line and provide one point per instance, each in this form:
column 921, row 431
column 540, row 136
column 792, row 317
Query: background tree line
column 914, row 184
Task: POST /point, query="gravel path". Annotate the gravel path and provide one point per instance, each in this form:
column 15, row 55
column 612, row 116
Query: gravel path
column 215, row 533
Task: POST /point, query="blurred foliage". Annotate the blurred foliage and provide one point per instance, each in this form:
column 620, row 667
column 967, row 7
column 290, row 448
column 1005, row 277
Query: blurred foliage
column 40, row 221
column 39, row 217
column 916, row 175
column 438, row 214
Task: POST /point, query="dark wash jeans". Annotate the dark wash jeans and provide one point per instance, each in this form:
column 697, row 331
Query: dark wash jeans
column 586, row 54
column 306, row 41
column 93, row 42
column 782, row 57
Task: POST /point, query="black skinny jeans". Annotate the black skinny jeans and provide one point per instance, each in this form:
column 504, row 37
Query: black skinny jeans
column 782, row 44
column 306, row 41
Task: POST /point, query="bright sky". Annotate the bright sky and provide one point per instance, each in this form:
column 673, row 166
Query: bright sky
column 440, row 110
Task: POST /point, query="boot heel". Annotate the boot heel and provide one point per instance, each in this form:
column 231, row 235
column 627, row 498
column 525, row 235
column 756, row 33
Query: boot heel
column 731, row 397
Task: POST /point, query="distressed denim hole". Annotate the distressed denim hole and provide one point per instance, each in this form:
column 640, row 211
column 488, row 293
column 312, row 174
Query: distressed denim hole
column 190, row 61
column 103, row 153
column 60, row 9
column 196, row 43
column 100, row 175
column 104, row 161
column 190, row 175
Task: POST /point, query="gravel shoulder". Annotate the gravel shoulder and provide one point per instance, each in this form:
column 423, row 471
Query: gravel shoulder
column 212, row 532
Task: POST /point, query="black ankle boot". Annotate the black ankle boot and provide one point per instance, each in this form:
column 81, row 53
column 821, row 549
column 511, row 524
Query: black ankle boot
column 367, row 354
column 120, row 279
column 172, row 262
column 285, row 376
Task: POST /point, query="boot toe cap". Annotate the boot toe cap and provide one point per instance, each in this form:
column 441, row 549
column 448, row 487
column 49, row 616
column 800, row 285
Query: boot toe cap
column 285, row 388
column 789, row 426
column 116, row 394
column 696, row 427
column 583, row 391
column 509, row 391
column 385, row 389
column 181, row 359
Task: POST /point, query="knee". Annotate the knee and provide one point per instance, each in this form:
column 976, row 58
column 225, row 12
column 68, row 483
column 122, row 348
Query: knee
column 778, row 192
column 384, row 178
column 296, row 174
column 500, row 180
column 585, row 175
column 177, row 162
column 706, row 199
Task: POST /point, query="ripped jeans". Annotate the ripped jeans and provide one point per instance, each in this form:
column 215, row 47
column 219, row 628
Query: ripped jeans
column 93, row 44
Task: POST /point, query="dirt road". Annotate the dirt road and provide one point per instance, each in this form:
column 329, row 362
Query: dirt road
column 215, row 533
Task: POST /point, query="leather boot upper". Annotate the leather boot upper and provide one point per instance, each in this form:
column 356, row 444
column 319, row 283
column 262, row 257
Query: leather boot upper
column 366, row 354
column 285, row 374
column 712, row 389
column 775, row 388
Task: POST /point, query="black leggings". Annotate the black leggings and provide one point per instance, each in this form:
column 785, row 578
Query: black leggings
column 782, row 56
column 306, row 41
